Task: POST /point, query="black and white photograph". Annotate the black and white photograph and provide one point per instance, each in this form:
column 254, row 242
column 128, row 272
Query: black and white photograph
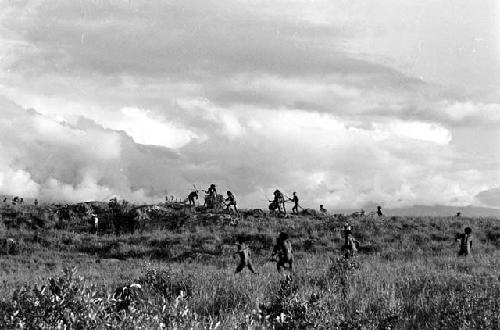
column 257, row 164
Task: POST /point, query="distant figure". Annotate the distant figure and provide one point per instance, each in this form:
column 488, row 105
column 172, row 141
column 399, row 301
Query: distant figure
column 212, row 191
column 211, row 196
column 8, row 246
column 36, row 202
column 350, row 243
column 95, row 222
column 192, row 196
column 5, row 200
column 278, row 202
column 459, row 214
column 21, row 200
column 231, row 201
column 283, row 253
column 379, row 211
column 113, row 203
column 245, row 261
column 273, row 207
column 36, row 237
column 15, row 200
column 322, row 209
column 465, row 242
column 295, row 200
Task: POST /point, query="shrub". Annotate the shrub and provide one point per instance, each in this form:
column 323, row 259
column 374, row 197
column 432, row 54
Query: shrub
column 168, row 283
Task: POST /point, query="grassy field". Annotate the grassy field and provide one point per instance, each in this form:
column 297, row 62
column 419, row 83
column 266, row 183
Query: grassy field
column 406, row 276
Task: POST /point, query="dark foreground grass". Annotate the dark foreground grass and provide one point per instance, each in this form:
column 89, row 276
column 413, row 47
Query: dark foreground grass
column 407, row 276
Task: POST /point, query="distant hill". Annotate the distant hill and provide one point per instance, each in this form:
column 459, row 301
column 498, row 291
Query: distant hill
column 434, row 210
column 443, row 210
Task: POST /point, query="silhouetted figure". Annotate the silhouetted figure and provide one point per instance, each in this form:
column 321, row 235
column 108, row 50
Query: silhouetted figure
column 212, row 191
column 278, row 202
column 273, row 207
column 245, row 261
column 211, row 197
column 322, row 209
column 459, row 215
column 465, row 242
column 231, row 201
column 283, row 252
column 350, row 243
column 192, row 196
column 379, row 211
column 295, row 200
column 95, row 223
column 36, row 202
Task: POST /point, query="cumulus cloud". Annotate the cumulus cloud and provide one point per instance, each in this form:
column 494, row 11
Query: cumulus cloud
column 146, row 129
column 490, row 197
column 141, row 99
column 58, row 161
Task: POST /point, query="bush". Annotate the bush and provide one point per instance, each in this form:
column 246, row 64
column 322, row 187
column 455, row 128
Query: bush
column 65, row 302
column 168, row 283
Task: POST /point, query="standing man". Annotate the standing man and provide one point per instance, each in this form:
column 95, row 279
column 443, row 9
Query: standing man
column 244, row 253
column 212, row 191
column 230, row 200
column 283, row 253
column 211, row 196
column 465, row 242
column 295, row 200
column 279, row 200
column 350, row 243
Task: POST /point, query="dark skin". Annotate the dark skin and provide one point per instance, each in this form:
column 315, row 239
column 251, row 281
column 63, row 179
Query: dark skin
column 379, row 211
column 465, row 242
column 192, row 196
column 230, row 200
column 212, row 193
column 295, row 200
column 283, row 252
column 244, row 253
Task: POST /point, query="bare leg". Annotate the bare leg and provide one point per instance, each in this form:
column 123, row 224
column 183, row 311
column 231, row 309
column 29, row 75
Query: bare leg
column 250, row 266
column 239, row 268
column 280, row 264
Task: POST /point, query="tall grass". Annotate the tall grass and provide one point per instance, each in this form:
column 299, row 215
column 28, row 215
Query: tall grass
column 406, row 276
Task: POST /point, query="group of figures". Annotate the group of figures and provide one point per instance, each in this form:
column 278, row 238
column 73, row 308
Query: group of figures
column 276, row 207
column 18, row 201
column 282, row 255
column 214, row 200
column 283, row 252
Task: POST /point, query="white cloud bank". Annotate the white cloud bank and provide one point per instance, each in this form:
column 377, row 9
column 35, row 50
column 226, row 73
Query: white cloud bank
column 144, row 99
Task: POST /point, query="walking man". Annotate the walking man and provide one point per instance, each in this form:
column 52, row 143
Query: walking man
column 295, row 200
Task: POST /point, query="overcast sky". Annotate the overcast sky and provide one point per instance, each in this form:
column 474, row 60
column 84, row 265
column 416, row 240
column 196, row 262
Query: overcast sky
column 347, row 102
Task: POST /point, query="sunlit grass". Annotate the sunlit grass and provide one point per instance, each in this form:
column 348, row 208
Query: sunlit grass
column 406, row 276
